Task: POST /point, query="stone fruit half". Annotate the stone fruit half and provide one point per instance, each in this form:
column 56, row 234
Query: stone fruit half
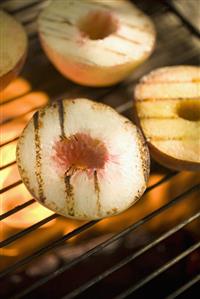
column 83, row 160
column 96, row 43
column 13, row 48
column 167, row 106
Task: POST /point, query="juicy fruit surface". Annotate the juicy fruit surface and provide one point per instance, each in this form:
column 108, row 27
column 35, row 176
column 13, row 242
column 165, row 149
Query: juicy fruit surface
column 83, row 160
column 133, row 38
column 85, row 40
column 168, row 108
column 13, row 42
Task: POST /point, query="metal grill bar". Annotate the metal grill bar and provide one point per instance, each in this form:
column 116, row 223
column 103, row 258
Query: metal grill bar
column 70, row 235
column 159, row 271
column 28, row 6
column 184, row 287
column 10, row 186
column 7, row 142
column 29, row 229
column 20, row 116
column 99, row 247
column 15, row 97
column 17, row 209
column 49, row 247
column 35, row 226
column 131, row 257
column 9, row 164
column 184, row 20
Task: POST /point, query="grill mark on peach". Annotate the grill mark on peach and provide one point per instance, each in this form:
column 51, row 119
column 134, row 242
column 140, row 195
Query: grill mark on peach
column 67, row 178
column 48, row 30
column 113, row 51
column 144, row 154
column 37, row 124
column 70, row 195
column 167, row 99
column 152, row 81
column 52, row 29
column 54, row 34
column 177, row 138
column 22, row 170
column 97, row 191
column 159, row 117
column 145, row 29
column 89, row 62
column 60, row 20
column 127, row 39
column 112, row 211
column 98, row 5
column 139, row 194
column 61, row 117
column 78, row 58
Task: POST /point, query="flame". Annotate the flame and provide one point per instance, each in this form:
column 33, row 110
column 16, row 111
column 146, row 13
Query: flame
column 15, row 89
column 13, row 128
column 22, row 105
column 9, row 252
column 16, row 101
column 8, row 154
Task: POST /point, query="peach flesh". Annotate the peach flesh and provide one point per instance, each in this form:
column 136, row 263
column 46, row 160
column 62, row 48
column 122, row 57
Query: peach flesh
column 98, row 25
column 80, row 152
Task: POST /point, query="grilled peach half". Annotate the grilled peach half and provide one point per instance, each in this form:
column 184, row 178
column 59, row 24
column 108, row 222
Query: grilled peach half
column 83, row 160
column 96, row 43
column 167, row 108
column 13, row 41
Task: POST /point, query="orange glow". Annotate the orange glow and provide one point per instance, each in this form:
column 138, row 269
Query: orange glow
column 9, row 252
column 16, row 196
column 13, row 128
column 8, row 179
column 15, row 109
column 7, row 153
column 15, row 89
column 19, row 111
column 22, row 105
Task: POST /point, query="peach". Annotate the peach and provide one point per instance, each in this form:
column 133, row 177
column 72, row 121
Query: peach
column 96, row 43
column 83, row 160
column 167, row 107
column 13, row 48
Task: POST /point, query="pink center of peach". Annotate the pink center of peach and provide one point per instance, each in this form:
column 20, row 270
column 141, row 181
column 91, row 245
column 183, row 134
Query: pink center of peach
column 80, row 152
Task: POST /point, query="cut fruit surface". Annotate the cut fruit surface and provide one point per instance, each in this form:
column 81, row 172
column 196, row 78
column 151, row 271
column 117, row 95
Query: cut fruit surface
column 80, row 151
column 83, row 160
column 167, row 106
column 96, row 43
column 13, row 41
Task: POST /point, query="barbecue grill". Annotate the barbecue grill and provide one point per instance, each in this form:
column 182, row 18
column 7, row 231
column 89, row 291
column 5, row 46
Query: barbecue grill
column 152, row 249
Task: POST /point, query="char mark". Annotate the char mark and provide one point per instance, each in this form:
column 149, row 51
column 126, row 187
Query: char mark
column 38, row 158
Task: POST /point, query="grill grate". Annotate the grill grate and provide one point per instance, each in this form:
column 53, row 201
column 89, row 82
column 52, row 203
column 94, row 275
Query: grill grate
column 177, row 43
